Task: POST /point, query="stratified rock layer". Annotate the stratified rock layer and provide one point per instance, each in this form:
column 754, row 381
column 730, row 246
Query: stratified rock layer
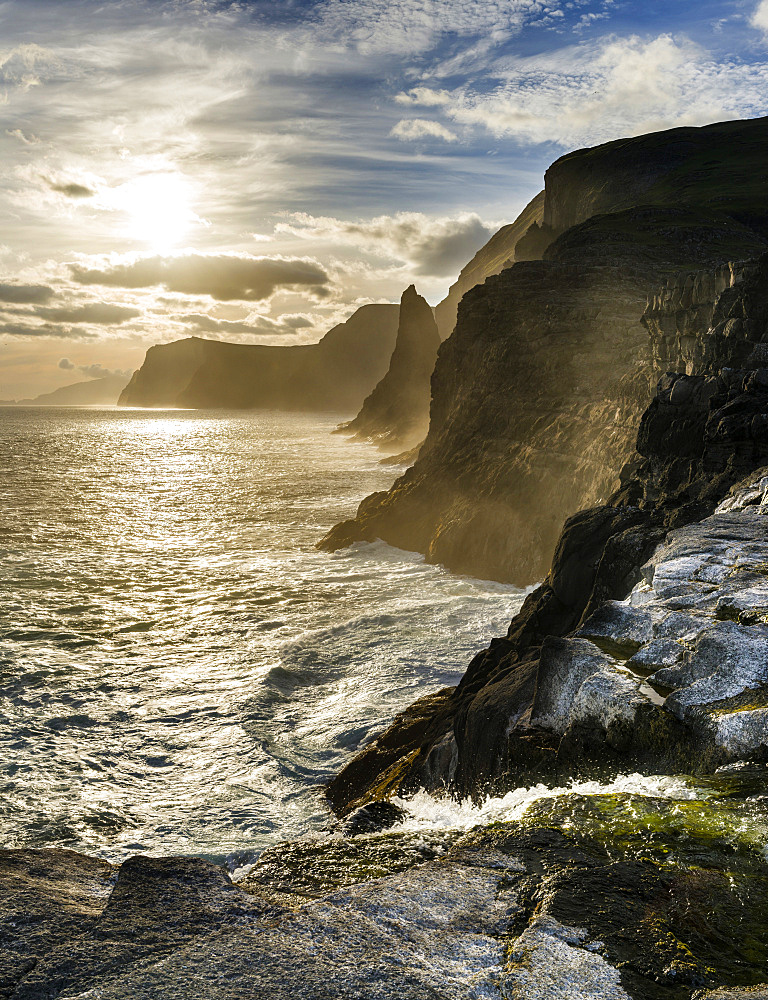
column 396, row 414
column 335, row 374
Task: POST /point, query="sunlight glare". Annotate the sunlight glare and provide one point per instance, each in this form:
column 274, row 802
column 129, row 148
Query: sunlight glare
column 158, row 209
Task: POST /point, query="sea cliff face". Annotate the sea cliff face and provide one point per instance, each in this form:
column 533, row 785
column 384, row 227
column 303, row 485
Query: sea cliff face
column 335, row 374
column 537, row 394
column 647, row 644
column 396, row 414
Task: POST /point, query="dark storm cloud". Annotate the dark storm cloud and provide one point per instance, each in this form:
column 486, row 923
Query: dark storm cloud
column 26, row 294
column 224, row 277
column 91, row 312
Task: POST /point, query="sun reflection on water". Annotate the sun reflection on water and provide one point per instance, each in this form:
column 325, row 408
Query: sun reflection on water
column 181, row 668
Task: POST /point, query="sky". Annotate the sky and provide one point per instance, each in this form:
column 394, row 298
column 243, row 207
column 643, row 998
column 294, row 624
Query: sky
column 255, row 171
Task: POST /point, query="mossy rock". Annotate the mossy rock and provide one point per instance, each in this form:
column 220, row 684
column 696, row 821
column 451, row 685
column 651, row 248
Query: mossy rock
column 672, row 893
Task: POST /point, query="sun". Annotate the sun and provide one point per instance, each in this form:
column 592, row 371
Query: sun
column 158, row 209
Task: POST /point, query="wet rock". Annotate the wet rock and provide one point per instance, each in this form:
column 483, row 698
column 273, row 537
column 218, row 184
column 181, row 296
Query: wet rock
column 735, row 993
column 656, row 605
column 576, row 682
column 372, row 818
column 605, row 895
column 157, row 905
column 431, row 932
column 313, row 868
column 549, row 961
column 47, row 899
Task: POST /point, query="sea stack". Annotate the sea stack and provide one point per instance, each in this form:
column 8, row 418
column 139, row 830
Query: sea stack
column 396, row 414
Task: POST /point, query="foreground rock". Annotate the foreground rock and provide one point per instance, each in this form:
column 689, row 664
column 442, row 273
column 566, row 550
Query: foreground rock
column 538, row 392
column 335, row 374
column 396, row 414
column 605, row 896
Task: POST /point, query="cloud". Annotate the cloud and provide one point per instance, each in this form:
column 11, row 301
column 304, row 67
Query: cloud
column 46, row 330
column 431, row 246
column 420, row 128
column 590, row 93
column 406, row 27
column 27, row 65
column 255, row 325
column 73, row 190
column 759, row 18
column 99, row 371
column 17, row 133
column 91, row 312
column 93, row 370
column 27, row 294
column 425, row 97
column 222, row 276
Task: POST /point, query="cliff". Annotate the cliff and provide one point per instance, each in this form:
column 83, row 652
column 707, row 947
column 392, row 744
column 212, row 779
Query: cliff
column 646, row 646
column 718, row 167
column 93, row 392
column 396, row 414
column 537, row 394
column 335, row 374
column 499, row 252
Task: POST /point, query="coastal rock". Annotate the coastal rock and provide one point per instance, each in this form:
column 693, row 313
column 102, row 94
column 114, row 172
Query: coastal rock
column 519, row 422
column 717, row 165
column 335, row 374
column 95, row 392
column 597, row 895
column 48, row 898
column 707, row 320
column 396, row 414
column 372, row 818
column 647, row 644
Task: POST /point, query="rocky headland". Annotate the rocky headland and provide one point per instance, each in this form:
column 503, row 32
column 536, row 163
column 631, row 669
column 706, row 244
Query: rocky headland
column 537, row 394
column 102, row 391
column 605, row 761
column 396, row 414
column 335, row 374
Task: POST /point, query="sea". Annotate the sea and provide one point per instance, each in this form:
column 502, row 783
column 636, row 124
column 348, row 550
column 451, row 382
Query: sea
column 181, row 670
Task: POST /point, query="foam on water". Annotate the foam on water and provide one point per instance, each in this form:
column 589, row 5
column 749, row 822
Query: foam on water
column 430, row 812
